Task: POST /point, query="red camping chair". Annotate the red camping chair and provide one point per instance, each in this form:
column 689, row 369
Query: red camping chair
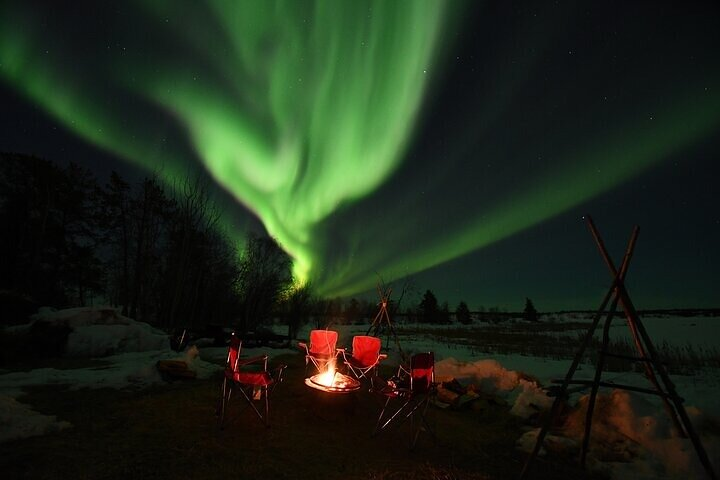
column 321, row 349
column 253, row 383
column 411, row 391
column 365, row 356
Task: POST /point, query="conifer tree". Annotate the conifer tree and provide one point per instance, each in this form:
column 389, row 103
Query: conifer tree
column 530, row 313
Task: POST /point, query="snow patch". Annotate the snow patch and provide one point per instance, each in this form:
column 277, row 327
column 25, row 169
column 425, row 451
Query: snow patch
column 18, row 420
column 101, row 331
column 632, row 437
column 490, row 377
column 102, row 340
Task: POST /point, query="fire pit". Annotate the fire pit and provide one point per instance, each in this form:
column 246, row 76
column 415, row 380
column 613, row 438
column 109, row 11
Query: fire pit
column 332, row 398
column 333, row 381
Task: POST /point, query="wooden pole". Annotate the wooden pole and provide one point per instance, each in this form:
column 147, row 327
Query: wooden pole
column 596, row 383
column 624, row 301
column 672, row 394
column 642, row 342
column 555, row 409
column 382, row 320
column 640, row 335
column 605, row 342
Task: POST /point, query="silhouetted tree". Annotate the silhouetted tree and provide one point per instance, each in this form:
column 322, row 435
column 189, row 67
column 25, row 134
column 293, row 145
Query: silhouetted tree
column 150, row 212
column 192, row 245
column 264, row 275
column 48, row 231
column 369, row 308
column 352, row 311
column 114, row 216
column 217, row 299
column 84, row 275
column 444, row 313
column 81, row 270
column 327, row 310
column 30, row 239
column 298, row 306
column 462, row 314
column 67, row 240
column 428, row 308
column 530, row 314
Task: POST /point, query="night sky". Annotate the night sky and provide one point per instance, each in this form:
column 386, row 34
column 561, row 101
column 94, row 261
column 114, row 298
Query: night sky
column 455, row 144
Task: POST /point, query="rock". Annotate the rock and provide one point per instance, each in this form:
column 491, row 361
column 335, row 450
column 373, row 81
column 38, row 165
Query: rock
column 454, row 386
column 466, row 399
column 446, row 396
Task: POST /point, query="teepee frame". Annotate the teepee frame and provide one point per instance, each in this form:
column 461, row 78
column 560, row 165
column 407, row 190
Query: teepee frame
column 647, row 356
column 382, row 324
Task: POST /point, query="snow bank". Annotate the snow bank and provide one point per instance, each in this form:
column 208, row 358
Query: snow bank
column 18, row 420
column 102, row 340
column 129, row 351
column 126, row 370
column 522, row 391
column 632, row 437
column 102, row 331
column 132, row 369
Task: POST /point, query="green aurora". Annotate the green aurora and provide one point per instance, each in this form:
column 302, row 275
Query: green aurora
column 303, row 111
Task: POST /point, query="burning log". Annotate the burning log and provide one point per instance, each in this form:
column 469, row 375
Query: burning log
column 332, row 381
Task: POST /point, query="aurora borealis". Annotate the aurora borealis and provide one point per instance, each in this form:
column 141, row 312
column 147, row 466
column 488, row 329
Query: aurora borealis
column 408, row 138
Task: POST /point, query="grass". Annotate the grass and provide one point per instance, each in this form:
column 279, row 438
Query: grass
column 560, row 341
column 170, row 431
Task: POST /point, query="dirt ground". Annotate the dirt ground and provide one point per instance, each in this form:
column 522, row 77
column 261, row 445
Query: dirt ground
column 171, row 431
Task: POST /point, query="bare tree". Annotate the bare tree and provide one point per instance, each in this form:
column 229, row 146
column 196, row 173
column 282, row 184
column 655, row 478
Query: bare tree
column 298, row 306
column 150, row 208
column 190, row 243
column 114, row 215
column 265, row 274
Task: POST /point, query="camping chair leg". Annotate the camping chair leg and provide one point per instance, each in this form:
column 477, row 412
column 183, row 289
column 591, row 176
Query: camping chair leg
column 224, row 400
column 220, row 412
column 221, row 399
column 249, row 399
column 422, row 423
column 277, row 376
column 267, row 407
column 379, row 428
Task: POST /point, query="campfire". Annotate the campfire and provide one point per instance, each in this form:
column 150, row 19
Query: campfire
column 332, row 381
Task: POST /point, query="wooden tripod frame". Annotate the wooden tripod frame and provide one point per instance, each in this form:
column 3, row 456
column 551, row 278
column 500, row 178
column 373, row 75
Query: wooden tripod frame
column 647, row 356
column 382, row 321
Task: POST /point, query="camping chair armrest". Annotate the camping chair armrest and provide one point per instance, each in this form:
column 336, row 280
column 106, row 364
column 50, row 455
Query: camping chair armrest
column 342, row 351
column 303, row 346
column 382, row 356
column 256, row 359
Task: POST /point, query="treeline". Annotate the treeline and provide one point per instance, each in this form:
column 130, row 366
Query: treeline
column 159, row 254
column 156, row 251
column 428, row 310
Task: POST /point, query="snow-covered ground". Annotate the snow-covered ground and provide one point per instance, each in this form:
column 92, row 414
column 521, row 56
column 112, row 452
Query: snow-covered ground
column 697, row 332
column 634, row 426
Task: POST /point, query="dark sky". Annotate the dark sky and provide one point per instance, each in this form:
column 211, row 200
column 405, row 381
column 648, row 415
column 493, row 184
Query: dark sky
column 458, row 145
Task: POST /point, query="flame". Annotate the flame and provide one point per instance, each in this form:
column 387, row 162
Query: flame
column 328, row 377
